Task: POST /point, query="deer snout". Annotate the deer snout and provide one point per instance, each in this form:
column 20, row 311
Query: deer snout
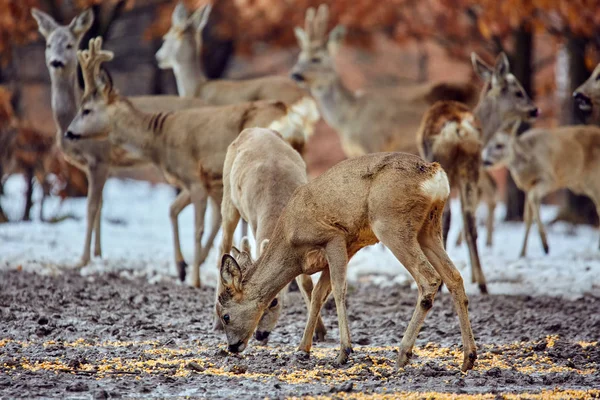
column 57, row 64
column 582, row 101
column 237, row 348
column 298, row 77
column 534, row 113
column 72, row 136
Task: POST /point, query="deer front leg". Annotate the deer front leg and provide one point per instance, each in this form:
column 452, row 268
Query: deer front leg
column 527, row 217
column 535, row 207
column 446, row 217
column 181, row 201
column 97, row 176
column 214, row 228
column 319, row 295
column 199, row 199
column 337, row 258
column 468, row 202
column 97, row 231
column 28, row 195
column 305, row 284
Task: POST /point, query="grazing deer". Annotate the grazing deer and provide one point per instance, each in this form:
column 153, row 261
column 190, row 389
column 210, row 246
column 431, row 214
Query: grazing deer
column 587, row 97
column 544, row 160
column 373, row 121
column 96, row 158
column 181, row 51
column 395, row 198
column 453, row 135
column 260, row 174
column 189, row 146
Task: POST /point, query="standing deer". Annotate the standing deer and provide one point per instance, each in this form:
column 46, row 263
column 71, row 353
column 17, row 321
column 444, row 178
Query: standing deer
column 453, row 135
column 189, row 146
column 96, row 158
column 587, row 97
column 395, row 198
column 260, row 174
column 373, row 121
column 543, row 160
column 181, row 51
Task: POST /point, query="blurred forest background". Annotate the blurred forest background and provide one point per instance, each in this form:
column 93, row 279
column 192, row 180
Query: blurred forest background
column 552, row 45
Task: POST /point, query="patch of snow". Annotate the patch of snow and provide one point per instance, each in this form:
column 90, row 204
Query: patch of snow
column 137, row 241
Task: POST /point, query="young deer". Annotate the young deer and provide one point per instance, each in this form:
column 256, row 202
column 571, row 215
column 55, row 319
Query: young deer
column 181, row 51
column 260, row 174
column 587, row 97
column 371, row 122
column 189, row 146
column 97, row 158
column 395, row 198
column 542, row 161
column 453, row 135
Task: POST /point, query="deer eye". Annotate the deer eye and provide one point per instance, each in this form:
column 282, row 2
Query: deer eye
column 48, row 46
column 69, row 46
column 226, row 318
column 519, row 94
column 273, row 303
column 86, row 111
column 499, row 146
column 315, row 60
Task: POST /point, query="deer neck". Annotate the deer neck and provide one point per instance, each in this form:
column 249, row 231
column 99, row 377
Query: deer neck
column 189, row 77
column 489, row 118
column 134, row 128
column 277, row 267
column 65, row 94
column 336, row 103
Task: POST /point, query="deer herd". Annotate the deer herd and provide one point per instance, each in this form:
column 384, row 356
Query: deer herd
column 240, row 145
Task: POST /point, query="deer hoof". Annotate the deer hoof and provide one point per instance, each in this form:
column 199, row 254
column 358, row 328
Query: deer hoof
column 483, row 288
column 83, row 262
column 343, row 357
column 181, row 270
column 469, row 361
column 403, row 358
column 546, row 248
column 302, row 355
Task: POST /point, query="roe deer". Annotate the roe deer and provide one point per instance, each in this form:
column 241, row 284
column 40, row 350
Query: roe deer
column 453, row 135
column 260, row 174
column 395, row 198
column 544, row 160
column 181, row 51
column 189, row 146
column 371, row 122
column 97, row 159
column 587, row 97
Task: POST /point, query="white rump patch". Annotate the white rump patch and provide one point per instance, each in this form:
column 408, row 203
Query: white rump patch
column 437, row 187
column 307, row 113
column 468, row 130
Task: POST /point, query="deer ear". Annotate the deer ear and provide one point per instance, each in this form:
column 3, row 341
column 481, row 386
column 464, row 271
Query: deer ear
column 245, row 245
column 263, row 246
column 481, row 68
column 501, row 69
column 302, row 37
column 46, row 24
column 231, row 274
column 199, row 18
column 336, row 37
column 82, row 23
column 104, row 82
column 180, row 15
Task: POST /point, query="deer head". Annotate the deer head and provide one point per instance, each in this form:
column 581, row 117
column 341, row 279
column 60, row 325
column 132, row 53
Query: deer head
column 497, row 152
column 503, row 92
column 93, row 117
column 315, row 67
column 587, row 96
column 182, row 44
column 62, row 41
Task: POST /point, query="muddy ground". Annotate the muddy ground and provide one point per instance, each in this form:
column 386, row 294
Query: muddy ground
column 106, row 336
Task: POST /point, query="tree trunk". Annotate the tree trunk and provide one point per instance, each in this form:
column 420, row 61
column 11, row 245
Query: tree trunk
column 522, row 67
column 575, row 209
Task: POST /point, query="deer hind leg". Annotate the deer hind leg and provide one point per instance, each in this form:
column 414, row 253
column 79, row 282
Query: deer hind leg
column 305, row 284
column 487, row 187
column 447, row 216
column 97, row 231
column 97, row 176
column 28, row 194
column 431, row 244
column 215, row 224
column 319, row 295
column 527, row 215
column 535, row 207
column 181, row 201
column 468, row 203
column 199, row 199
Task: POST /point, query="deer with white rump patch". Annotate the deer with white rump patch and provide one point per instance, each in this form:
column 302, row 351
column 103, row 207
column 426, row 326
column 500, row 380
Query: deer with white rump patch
column 189, row 146
column 395, row 198
column 544, row 160
column 96, row 158
column 260, row 174
column 181, row 51
column 453, row 135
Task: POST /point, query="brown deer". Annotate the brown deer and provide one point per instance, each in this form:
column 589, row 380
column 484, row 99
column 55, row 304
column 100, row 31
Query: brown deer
column 375, row 120
column 96, row 158
column 181, row 51
column 587, row 97
column 189, row 146
column 453, row 135
column 260, row 174
column 544, row 160
column 395, row 198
